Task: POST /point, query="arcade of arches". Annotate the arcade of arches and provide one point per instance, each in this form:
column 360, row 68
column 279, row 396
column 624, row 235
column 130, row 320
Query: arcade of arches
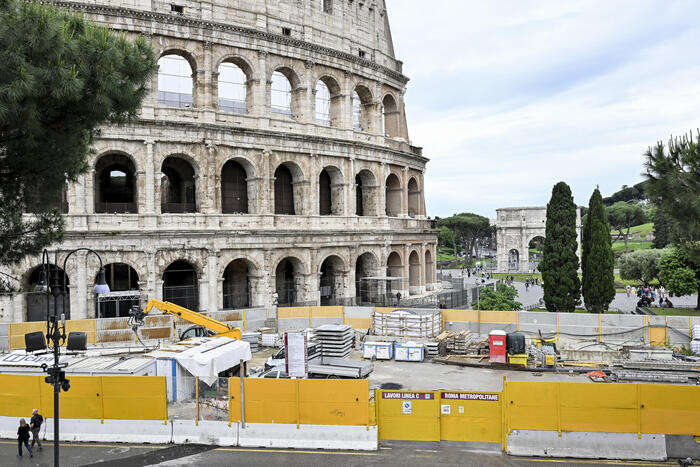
column 187, row 281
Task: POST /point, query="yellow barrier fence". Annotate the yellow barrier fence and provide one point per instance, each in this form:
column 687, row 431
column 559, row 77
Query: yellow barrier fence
column 89, row 397
column 300, row 401
column 18, row 330
column 408, row 415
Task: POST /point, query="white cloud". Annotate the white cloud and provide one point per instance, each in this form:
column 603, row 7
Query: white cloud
column 507, row 98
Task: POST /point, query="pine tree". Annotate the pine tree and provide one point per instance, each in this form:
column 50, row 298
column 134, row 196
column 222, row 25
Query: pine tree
column 559, row 265
column 597, row 258
column 61, row 77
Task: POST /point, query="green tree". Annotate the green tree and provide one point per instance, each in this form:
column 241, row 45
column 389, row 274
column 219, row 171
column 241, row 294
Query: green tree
column 559, row 265
column 663, row 230
column 640, row 265
column 469, row 229
column 448, row 239
column 597, row 260
column 61, row 78
column 679, row 270
column 503, row 298
column 673, row 175
column 623, row 216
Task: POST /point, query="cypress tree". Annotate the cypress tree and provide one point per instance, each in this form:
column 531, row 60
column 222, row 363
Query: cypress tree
column 559, row 265
column 597, row 258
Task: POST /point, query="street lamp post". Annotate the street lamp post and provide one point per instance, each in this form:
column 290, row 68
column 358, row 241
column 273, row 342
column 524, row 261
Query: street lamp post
column 56, row 333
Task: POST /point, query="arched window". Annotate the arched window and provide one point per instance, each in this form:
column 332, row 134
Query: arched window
column 324, row 194
column 390, row 114
column 365, row 289
column 174, row 81
column 413, row 198
column 237, row 285
column 288, row 281
column 57, row 201
column 429, row 268
column 359, row 202
column 120, row 278
column 180, row 285
column 177, row 186
column 331, row 281
column 365, row 194
column 284, row 191
column 234, row 189
column 233, row 89
column 356, row 112
column 393, row 196
column 36, row 301
column 513, row 260
column 115, row 185
column 323, row 104
column 414, row 273
column 280, row 94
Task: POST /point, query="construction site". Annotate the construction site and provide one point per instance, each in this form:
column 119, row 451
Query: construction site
column 522, row 383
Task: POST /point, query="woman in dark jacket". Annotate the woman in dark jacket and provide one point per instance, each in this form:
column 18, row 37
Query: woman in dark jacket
column 23, row 437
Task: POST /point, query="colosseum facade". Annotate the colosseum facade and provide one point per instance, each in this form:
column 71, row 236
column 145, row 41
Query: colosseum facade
column 271, row 156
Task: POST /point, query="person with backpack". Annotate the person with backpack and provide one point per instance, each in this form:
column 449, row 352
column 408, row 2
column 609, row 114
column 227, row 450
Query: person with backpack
column 35, row 426
column 23, row 438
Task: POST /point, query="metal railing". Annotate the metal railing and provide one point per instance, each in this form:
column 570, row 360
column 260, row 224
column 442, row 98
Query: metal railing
column 118, row 208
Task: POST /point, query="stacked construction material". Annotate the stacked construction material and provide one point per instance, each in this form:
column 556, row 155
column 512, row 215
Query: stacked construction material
column 695, row 343
column 407, row 324
column 270, row 340
column 431, row 349
column 253, row 338
column 336, row 339
column 463, row 343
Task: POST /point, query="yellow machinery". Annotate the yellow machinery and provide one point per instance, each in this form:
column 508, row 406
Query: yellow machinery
column 217, row 328
column 550, row 343
column 518, row 359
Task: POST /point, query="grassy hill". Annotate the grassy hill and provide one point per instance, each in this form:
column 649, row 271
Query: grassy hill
column 638, row 240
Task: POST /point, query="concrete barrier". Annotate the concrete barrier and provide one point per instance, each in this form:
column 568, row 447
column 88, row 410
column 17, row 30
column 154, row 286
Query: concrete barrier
column 206, row 432
column 266, row 435
column 587, row 445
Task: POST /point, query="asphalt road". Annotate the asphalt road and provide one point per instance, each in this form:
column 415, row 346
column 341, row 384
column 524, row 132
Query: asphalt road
column 126, row 455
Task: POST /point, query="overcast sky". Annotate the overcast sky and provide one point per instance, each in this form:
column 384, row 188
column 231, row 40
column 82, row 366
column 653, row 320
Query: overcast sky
column 509, row 97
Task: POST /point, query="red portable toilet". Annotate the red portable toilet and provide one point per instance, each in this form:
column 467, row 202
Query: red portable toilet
column 497, row 346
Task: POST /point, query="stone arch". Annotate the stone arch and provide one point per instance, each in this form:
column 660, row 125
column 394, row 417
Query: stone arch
column 331, row 280
column 429, row 268
column 181, row 284
column 365, row 193
column 178, row 191
column 362, row 101
column 120, row 277
column 414, row 196
column 394, row 265
column 327, row 96
column 289, row 279
column 285, row 97
column 289, row 196
column 393, row 195
column 390, row 116
column 235, row 188
column 115, row 187
column 234, row 84
column 414, row 272
column 513, row 259
column 237, row 289
column 36, row 302
column 177, row 71
column 331, row 191
column 534, row 251
column 366, row 265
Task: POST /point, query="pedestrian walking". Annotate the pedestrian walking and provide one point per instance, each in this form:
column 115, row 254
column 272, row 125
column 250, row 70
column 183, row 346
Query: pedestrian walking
column 628, row 289
column 662, row 291
column 398, row 298
column 23, row 438
column 35, row 427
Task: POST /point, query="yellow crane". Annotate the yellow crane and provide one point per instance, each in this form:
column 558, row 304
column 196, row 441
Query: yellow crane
column 217, row 328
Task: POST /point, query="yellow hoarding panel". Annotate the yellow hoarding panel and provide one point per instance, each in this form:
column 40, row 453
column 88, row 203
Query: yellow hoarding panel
column 293, row 312
column 83, row 400
column 20, row 394
column 408, row 415
column 18, row 330
column 334, row 402
column 610, row 408
column 670, row 409
column 488, row 316
column 383, row 309
column 327, row 311
column 459, row 316
column 470, row 416
column 359, row 323
column 531, row 406
column 270, row 400
column 134, row 397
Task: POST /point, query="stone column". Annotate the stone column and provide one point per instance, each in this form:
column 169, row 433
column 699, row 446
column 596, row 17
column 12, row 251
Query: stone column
column 349, row 206
column 212, row 273
column 266, row 283
column 312, row 279
column 81, row 291
column 18, row 307
column 404, row 191
column 267, row 184
column 152, row 290
column 381, row 190
column 203, row 293
column 150, row 178
column 260, row 105
column 406, row 286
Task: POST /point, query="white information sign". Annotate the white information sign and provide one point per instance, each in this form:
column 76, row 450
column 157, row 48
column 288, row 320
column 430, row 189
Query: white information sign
column 295, row 357
column 461, row 409
column 445, row 409
column 407, row 407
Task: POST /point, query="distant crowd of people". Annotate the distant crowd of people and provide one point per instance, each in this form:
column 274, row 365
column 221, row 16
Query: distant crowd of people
column 648, row 295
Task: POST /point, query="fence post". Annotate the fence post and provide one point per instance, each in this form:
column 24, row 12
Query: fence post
column 298, row 409
column 558, row 408
column 165, row 399
column 196, row 395
column 600, row 327
column 639, row 412
column 241, row 373
column 102, row 402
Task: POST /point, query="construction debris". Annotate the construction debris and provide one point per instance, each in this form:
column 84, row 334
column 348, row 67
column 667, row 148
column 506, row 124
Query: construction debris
column 336, row 339
column 463, row 343
column 407, row 324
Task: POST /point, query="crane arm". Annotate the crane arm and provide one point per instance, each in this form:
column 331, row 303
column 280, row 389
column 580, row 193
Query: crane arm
column 217, row 327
